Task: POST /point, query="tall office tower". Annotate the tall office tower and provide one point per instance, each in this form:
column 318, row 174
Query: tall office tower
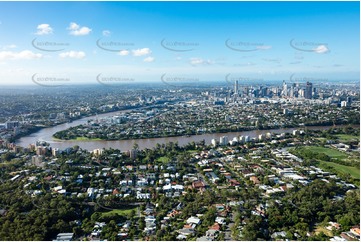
column 301, row 92
column 292, row 92
column 295, row 91
column 284, row 89
column 349, row 100
column 308, row 91
column 236, row 87
column 246, row 91
column 264, row 91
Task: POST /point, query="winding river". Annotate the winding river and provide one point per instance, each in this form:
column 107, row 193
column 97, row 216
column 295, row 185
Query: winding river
column 46, row 134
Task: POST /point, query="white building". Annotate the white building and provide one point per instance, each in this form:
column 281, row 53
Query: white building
column 344, row 104
column 223, row 140
column 98, row 152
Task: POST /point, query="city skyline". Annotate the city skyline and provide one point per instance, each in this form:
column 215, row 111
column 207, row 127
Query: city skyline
column 203, row 41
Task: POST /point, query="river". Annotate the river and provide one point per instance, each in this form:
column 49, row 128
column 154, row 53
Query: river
column 46, row 134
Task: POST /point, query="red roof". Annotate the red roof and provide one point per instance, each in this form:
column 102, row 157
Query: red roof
column 234, row 182
column 115, row 191
column 198, row 184
column 215, row 226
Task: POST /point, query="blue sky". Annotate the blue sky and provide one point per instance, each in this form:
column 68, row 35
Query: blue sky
column 201, row 40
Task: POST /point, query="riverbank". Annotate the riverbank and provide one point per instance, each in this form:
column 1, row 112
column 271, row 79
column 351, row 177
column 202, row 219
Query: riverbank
column 147, row 143
column 155, row 136
column 78, row 139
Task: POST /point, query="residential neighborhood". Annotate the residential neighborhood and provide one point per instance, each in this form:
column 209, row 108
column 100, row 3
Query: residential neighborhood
column 201, row 192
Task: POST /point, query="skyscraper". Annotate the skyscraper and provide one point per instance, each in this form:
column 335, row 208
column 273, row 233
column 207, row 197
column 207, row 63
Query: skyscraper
column 284, row 89
column 236, row 87
column 308, row 91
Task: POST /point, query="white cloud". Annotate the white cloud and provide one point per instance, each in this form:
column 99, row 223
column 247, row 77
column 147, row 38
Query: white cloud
column 321, row 49
column 76, row 30
column 106, row 33
column 44, row 29
column 123, row 52
column 141, row 52
column 22, row 55
column 196, row 61
column 6, row 47
column 149, row 59
column 200, row 61
column 72, row 54
column 73, row 26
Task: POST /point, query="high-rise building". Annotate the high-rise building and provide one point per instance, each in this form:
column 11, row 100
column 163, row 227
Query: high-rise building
column 264, row 91
column 242, row 139
column 284, row 89
column 236, row 87
column 292, row 94
column 133, row 153
column 98, row 152
column 41, row 150
column 308, row 91
column 344, row 104
column 247, row 138
column 55, row 152
column 11, row 124
column 301, row 92
column 349, row 100
column 261, row 137
column 37, row 160
column 223, row 140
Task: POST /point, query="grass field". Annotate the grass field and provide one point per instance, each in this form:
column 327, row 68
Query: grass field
column 328, row 151
column 353, row 171
column 192, row 151
column 122, row 212
column 346, row 137
column 320, row 229
column 163, row 159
